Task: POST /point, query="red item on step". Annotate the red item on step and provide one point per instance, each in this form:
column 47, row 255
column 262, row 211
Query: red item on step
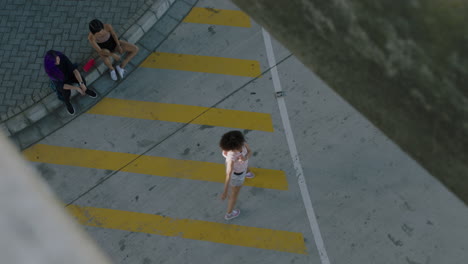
column 89, row 65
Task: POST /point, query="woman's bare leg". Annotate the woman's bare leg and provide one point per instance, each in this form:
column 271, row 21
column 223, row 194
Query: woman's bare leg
column 105, row 54
column 233, row 198
column 131, row 50
column 107, row 62
column 116, row 56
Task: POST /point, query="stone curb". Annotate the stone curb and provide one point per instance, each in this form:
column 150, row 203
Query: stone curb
column 38, row 120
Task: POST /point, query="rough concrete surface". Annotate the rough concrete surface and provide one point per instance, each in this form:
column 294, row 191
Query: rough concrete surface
column 402, row 64
column 374, row 203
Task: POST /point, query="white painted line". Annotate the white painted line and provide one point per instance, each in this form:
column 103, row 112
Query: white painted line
column 293, row 150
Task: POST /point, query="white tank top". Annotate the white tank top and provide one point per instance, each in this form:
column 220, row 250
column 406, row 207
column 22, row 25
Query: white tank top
column 239, row 165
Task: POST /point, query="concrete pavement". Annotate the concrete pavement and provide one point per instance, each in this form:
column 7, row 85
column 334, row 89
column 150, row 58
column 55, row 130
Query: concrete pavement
column 133, row 194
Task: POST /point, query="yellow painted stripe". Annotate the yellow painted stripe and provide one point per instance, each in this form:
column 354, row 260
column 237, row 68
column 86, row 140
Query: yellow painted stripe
column 207, row 64
column 151, row 165
column 184, row 114
column 237, row 235
column 206, row 15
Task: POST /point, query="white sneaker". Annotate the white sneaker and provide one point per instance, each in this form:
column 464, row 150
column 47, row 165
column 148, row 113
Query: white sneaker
column 113, row 75
column 235, row 213
column 120, row 71
column 249, row 175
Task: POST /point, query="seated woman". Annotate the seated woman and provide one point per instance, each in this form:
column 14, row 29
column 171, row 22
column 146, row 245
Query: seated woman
column 64, row 74
column 104, row 40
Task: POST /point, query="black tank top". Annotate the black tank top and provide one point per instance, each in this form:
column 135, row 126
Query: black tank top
column 108, row 44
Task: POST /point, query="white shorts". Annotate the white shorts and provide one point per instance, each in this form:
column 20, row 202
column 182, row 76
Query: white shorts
column 237, row 180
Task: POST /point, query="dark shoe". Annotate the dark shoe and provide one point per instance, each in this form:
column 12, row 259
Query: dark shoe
column 70, row 108
column 91, row 93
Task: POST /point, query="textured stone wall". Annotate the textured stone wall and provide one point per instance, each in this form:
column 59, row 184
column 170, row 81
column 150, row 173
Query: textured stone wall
column 403, row 64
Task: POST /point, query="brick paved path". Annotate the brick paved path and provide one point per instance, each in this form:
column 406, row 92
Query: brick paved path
column 29, row 28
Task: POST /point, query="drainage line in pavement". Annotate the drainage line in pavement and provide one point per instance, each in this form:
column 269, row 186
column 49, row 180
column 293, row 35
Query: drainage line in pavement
column 177, row 130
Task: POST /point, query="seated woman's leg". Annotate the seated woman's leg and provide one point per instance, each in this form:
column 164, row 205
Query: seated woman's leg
column 116, row 56
column 105, row 54
column 131, row 51
column 66, row 95
column 66, row 99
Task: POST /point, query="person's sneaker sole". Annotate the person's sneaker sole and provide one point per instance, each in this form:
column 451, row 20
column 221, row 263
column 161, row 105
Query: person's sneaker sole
column 113, row 76
column 71, row 112
column 121, row 75
column 227, row 217
column 92, row 96
column 249, row 175
column 120, row 71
